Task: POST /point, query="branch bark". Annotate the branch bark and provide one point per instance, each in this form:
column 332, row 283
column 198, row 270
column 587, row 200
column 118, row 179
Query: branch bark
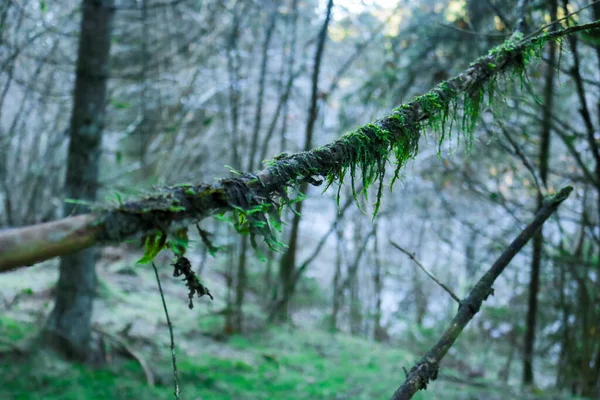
column 173, row 208
column 427, row 368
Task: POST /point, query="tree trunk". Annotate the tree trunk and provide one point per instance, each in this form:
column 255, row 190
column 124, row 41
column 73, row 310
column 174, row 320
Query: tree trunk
column 240, row 287
column 420, row 296
column 69, row 326
column 337, row 278
column 378, row 276
column 352, row 280
column 287, row 264
column 233, row 322
column 538, row 239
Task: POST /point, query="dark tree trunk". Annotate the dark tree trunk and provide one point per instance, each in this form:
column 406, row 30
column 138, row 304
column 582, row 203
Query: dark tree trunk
column 261, row 92
column 538, row 239
column 69, row 326
column 287, row 265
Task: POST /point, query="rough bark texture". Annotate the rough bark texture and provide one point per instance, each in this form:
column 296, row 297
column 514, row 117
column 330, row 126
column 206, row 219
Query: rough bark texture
column 173, row 208
column 427, row 368
column 69, row 326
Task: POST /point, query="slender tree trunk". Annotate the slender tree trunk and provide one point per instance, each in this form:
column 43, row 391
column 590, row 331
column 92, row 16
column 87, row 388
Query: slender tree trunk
column 351, row 282
column 242, row 274
column 538, row 239
column 378, row 275
column 287, row 264
column 596, row 9
column 285, row 86
column 337, row 278
column 235, row 303
column 470, row 254
column 240, row 288
column 268, row 278
column 562, row 377
column 420, row 297
column 261, row 92
column 69, row 326
column 144, row 129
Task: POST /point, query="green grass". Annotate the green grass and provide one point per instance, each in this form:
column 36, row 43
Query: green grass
column 276, row 364
column 280, row 363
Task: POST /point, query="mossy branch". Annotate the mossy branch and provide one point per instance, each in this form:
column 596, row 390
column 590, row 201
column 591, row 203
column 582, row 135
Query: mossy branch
column 256, row 198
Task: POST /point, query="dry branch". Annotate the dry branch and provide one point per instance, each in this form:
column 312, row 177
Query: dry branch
column 427, row 368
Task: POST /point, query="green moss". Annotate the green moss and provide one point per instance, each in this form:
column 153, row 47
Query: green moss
column 363, row 154
column 153, row 245
column 366, row 151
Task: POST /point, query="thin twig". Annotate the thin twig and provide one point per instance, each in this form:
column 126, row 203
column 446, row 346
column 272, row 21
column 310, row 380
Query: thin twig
column 534, row 33
column 524, row 159
column 521, row 25
column 162, row 297
column 498, row 36
column 498, row 13
column 429, row 274
column 428, row 367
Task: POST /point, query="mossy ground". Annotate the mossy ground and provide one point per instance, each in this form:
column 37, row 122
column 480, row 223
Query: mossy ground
column 302, row 362
column 276, row 364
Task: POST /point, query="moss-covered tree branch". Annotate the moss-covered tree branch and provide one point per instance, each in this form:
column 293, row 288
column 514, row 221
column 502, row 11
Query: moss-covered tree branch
column 255, row 198
column 427, row 368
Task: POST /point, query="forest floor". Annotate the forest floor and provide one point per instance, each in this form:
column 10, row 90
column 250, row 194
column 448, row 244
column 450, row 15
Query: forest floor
column 286, row 362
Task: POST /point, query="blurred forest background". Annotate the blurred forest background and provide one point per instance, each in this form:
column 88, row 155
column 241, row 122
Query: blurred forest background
column 166, row 92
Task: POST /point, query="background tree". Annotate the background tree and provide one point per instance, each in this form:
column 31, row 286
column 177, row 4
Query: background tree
column 69, row 325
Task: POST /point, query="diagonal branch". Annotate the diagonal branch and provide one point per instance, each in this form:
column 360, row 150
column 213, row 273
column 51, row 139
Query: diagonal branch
column 427, row 368
column 366, row 149
column 429, row 274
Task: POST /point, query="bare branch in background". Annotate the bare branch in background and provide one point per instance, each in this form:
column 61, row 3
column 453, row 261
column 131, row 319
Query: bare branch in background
column 427, row 272
column 427, row 368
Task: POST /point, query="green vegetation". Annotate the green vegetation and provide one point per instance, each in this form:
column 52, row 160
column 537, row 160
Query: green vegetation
column 274, row 364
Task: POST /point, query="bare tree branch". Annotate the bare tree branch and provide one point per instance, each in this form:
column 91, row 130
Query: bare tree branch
column 429, row 274
column 427, row 368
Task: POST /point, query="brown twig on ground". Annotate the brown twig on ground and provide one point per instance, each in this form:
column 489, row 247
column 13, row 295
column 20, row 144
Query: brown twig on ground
column 427, row 368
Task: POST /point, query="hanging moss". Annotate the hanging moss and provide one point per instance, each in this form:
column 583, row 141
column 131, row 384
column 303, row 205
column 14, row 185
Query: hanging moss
column 255, row 200
column 365, row 152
